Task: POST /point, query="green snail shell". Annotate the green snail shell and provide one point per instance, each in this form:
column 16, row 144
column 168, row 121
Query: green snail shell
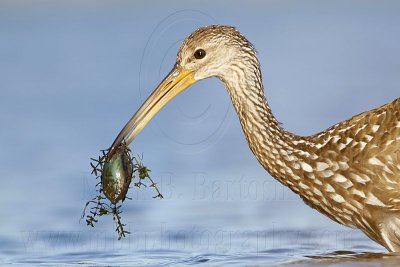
column 117, row 174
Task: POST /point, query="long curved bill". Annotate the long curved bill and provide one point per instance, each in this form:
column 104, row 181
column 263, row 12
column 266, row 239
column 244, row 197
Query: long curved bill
column 176, row 81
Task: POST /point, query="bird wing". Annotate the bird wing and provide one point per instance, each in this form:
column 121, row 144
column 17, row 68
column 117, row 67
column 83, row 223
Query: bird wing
column 375, row 150
column 370, row 140
column 369, row 144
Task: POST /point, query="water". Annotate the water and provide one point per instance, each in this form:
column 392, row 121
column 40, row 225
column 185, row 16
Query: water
column 73, row 73
column 99, row 248
column 196, row 245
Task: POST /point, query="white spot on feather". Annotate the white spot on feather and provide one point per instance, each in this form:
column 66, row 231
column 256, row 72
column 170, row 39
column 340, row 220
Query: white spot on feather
column 338, row 198
column 368, row 137
column 295, row 177
column 322, row 166
column 357, row 178
column 320, row 145
column 329, row 188
column 375, row 128
column 317, row 192
column 357, row 192
column 345, row 129
column 283, row 152
column 303, row 186
column 373, row 200
column 296, row 166
column 341, row 146
column 327, row 173
column 361, row 128
column 306, row 167
column 343, row 165
column 389, row 142
column 340, row 178
column 375, row 161
column 346, row 183
column 362, row 144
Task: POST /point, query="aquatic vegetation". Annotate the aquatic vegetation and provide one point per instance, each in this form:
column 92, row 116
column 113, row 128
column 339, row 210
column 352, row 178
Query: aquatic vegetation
column 143, row 172
column 116, row 174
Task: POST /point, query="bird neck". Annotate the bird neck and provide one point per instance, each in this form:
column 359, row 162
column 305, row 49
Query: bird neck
column 283, row 154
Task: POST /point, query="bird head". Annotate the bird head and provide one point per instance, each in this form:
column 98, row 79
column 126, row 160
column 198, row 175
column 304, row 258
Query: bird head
column 208, row 52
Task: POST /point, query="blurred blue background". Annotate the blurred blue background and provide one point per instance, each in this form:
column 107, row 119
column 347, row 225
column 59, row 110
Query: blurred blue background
column 73, row 72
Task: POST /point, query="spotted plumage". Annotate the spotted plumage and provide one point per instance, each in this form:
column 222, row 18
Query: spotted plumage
column 350, row 172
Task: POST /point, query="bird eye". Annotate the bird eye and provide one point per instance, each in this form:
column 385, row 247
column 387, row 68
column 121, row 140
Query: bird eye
column 199, row 53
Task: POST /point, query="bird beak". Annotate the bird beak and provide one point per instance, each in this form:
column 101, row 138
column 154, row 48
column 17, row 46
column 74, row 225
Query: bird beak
column 176, row 81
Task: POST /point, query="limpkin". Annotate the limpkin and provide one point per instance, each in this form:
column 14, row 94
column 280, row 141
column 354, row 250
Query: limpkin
column 349, row 172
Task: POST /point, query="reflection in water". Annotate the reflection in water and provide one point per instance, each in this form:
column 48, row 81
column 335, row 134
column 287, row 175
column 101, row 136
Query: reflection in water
column 349, row 258
column 170, row 257
column 152, row 248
